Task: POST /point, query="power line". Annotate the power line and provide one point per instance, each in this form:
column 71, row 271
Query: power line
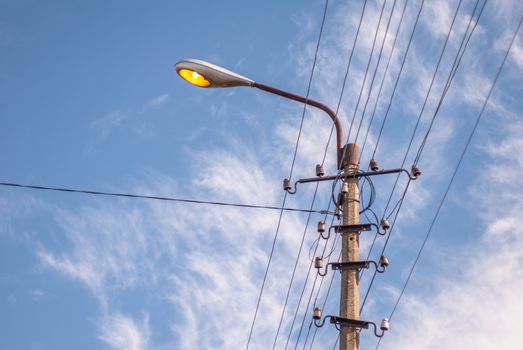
column 337, row 109
column 161, row 198
column 450, row 79
column 473, row 131
column 457, row 60
column 384, row 76
column 290, row 177
column 399, row 76
column 375, row 72
column 339, row 102
column 413, row 135
column 452, row 73
column 367, row 68
column 322, row 163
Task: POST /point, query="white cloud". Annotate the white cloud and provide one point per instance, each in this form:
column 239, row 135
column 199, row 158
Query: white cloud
column 205, row 262
column 114, row 119
column 109, row 249
column 37, row 294
column 108, row 122
column 155, row 102
column 124, row 333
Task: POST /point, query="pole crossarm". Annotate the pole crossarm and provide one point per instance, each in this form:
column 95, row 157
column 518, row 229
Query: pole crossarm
column 288, row 187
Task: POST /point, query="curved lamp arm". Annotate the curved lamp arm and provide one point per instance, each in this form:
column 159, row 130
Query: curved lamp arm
column 208, row 75
column 307, row 101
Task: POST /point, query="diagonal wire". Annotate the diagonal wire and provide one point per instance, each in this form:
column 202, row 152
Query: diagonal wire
column 418, row 121
column 449, row 81
column 313, row 198
column 337, row 109
column 384, row 75
column 368, row 65
column 469, row 140
column 367, row 68
column 285, row 195
column 323, row 161
column 456, row 64
column 375, row 72
column 399, row 75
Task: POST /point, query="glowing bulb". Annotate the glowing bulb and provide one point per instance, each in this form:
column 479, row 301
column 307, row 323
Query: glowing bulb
column 194, row 77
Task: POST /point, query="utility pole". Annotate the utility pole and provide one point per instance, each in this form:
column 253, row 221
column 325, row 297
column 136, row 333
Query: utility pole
column 350, row 296
column 207, row 75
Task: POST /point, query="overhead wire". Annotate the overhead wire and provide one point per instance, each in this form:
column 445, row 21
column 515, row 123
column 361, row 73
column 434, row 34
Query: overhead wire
column 454, row 69
column 286, row 193
column 161, row 198
column 323, row 161
column 341, row 96
column 462, row 155
column 375, row 72
column 313, row 198
column 416, row 126
column 337, row 109
column 399, row 75
column 367, row 68
column 384, row 76
column 371, row 198
column 455, row 66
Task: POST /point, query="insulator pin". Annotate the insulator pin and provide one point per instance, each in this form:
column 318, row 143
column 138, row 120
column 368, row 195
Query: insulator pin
column 374, row 165
column 415, row 171
column 287, row 184
column 316, row 315
column 385, row 224
column 384, row 324
column 318, row 263
column 319, row 170
column 384, row 261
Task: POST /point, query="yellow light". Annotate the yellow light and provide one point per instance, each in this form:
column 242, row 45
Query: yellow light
column 194, row 77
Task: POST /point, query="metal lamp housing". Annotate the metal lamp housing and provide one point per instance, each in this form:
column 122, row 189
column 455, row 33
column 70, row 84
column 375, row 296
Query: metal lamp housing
column 217, row 76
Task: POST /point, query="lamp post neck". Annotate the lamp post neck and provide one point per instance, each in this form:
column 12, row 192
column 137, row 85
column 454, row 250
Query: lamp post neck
column 307, row 101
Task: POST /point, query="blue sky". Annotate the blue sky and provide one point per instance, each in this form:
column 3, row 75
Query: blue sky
column 89, row 99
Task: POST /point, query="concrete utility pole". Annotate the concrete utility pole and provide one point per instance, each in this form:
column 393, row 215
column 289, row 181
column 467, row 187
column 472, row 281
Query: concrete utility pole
column 350, row 285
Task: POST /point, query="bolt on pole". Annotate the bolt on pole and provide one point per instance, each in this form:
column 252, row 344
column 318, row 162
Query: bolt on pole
column 349, row 296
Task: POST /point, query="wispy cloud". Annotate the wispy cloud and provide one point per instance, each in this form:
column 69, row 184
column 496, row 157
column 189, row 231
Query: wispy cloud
column 155, row 102
column 206, row 263
column 124, row 333
column 37, row 294
column 106, row 124
column 475, row 303
column 115, row 119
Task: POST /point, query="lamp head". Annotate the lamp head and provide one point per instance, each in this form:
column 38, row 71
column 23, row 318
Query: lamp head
column 208, row 75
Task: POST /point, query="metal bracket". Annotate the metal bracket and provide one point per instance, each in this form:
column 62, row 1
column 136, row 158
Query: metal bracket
column 352, row 228
column 350, row 265
column 347, row 322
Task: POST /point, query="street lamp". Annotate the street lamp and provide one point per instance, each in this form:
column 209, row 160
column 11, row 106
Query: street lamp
column 208, row 75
